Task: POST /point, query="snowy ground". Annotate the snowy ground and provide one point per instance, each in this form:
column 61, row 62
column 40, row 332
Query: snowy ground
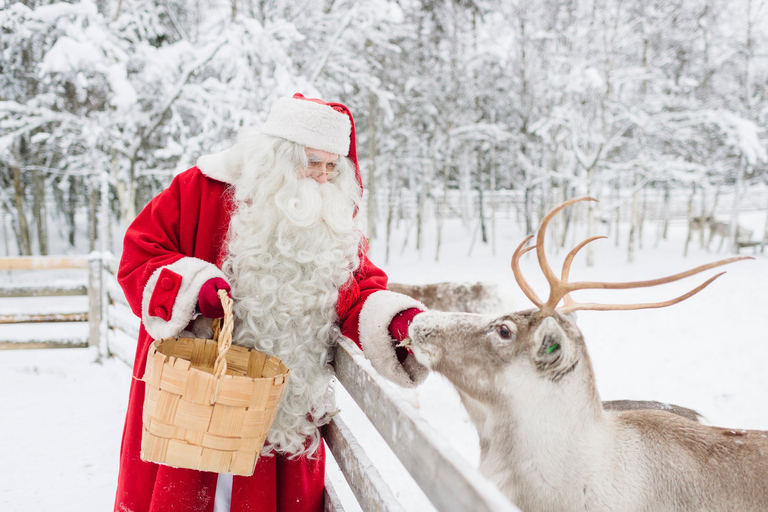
column 62, row 412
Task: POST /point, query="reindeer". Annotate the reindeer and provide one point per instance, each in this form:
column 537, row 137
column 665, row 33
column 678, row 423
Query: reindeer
column 716, row 228
column 546, row 441
column 459, row 297
column 723, row 230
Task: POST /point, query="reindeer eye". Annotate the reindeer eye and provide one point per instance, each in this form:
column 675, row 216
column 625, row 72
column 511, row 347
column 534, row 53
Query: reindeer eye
column 504, row 332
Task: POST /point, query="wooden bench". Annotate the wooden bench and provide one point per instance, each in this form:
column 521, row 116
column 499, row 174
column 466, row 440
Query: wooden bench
column 742, row 244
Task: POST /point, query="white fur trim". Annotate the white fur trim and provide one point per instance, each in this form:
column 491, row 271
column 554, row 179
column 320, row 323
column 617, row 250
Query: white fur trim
column 310, row 124
column 194, row 272
column 378, row 311
column 224, row 166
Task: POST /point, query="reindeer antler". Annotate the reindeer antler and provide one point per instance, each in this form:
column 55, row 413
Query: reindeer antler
column 527, row 290
column 560, row 288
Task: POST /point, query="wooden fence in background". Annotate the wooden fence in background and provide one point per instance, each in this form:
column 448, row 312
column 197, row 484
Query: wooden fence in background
column 111, row 324
column 89, row 288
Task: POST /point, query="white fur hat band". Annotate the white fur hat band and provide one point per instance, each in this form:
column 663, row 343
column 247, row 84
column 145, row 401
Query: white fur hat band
column 309, row 123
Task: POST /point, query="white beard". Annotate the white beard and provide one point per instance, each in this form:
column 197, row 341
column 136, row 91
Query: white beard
column 290, row 250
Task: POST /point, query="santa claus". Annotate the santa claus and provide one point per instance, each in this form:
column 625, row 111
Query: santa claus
column 273, row 221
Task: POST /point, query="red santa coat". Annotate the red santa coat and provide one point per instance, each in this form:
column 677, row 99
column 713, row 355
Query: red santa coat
column 174, row 246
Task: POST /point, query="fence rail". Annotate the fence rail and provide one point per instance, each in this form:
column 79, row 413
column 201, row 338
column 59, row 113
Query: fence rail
column 65, row 290
column 372, row 493
column 43, row 263
column 47, row 318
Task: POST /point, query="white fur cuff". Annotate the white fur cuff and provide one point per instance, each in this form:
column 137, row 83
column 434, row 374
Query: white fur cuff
column 377, row 313
column 194, row 272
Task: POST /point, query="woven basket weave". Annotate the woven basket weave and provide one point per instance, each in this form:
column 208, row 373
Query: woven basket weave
column 209, row 404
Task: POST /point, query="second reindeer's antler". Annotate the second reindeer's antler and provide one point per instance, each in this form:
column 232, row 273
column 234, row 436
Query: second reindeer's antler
column 559, row 288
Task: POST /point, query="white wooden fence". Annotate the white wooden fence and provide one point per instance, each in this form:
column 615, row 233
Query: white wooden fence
column 92, row 314
column 449, row 481
column 112, row 327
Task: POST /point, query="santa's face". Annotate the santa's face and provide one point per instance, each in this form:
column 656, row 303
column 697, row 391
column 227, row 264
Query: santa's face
column 321, row 165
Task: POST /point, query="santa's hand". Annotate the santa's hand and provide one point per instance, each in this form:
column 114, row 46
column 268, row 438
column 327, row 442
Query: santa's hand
column 208, row 298
column 398, row 330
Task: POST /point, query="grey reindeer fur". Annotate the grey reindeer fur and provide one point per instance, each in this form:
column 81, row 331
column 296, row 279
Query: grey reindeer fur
column 549, row 445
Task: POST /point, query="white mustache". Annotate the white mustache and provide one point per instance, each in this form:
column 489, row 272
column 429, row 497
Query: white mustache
column 313, row 203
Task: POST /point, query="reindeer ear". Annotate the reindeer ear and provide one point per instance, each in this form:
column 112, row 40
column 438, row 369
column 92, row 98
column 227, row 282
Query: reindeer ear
column 550, row 346
column 552, row 343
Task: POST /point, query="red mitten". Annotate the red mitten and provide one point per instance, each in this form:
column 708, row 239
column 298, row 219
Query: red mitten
column 208, row 300
column 398, row 329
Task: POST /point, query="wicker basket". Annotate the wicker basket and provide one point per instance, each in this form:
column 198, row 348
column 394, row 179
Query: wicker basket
column 209, row 404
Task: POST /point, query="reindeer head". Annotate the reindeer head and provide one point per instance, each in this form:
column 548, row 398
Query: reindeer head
column 478, row 352
column 488, row 357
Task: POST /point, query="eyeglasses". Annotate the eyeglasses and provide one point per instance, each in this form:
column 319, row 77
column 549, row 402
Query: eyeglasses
column 315, row 169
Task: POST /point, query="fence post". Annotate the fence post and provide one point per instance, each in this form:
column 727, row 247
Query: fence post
column 107, row 276
column 94, row 299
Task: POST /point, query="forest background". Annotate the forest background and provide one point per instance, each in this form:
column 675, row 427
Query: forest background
column 470, row 109
column 473, row 118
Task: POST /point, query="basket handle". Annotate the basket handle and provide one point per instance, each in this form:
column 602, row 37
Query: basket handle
column 223, row 337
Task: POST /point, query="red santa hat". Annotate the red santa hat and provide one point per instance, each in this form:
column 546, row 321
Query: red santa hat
column 307, row 121
column 312, row 123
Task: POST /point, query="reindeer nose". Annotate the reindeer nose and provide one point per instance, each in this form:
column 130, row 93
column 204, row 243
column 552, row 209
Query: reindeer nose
column 419, row 330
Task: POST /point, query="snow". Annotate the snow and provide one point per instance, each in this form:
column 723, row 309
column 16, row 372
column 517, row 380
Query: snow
column 70, row 55
column 63, row 413
column 741, row 134
column 747, row 138
column 61, row 425
column 51, row 13
column 125, row 95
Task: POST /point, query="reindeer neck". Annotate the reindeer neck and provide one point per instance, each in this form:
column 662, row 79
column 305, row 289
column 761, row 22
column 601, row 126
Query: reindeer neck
column 556, row 411
column 544, row 432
